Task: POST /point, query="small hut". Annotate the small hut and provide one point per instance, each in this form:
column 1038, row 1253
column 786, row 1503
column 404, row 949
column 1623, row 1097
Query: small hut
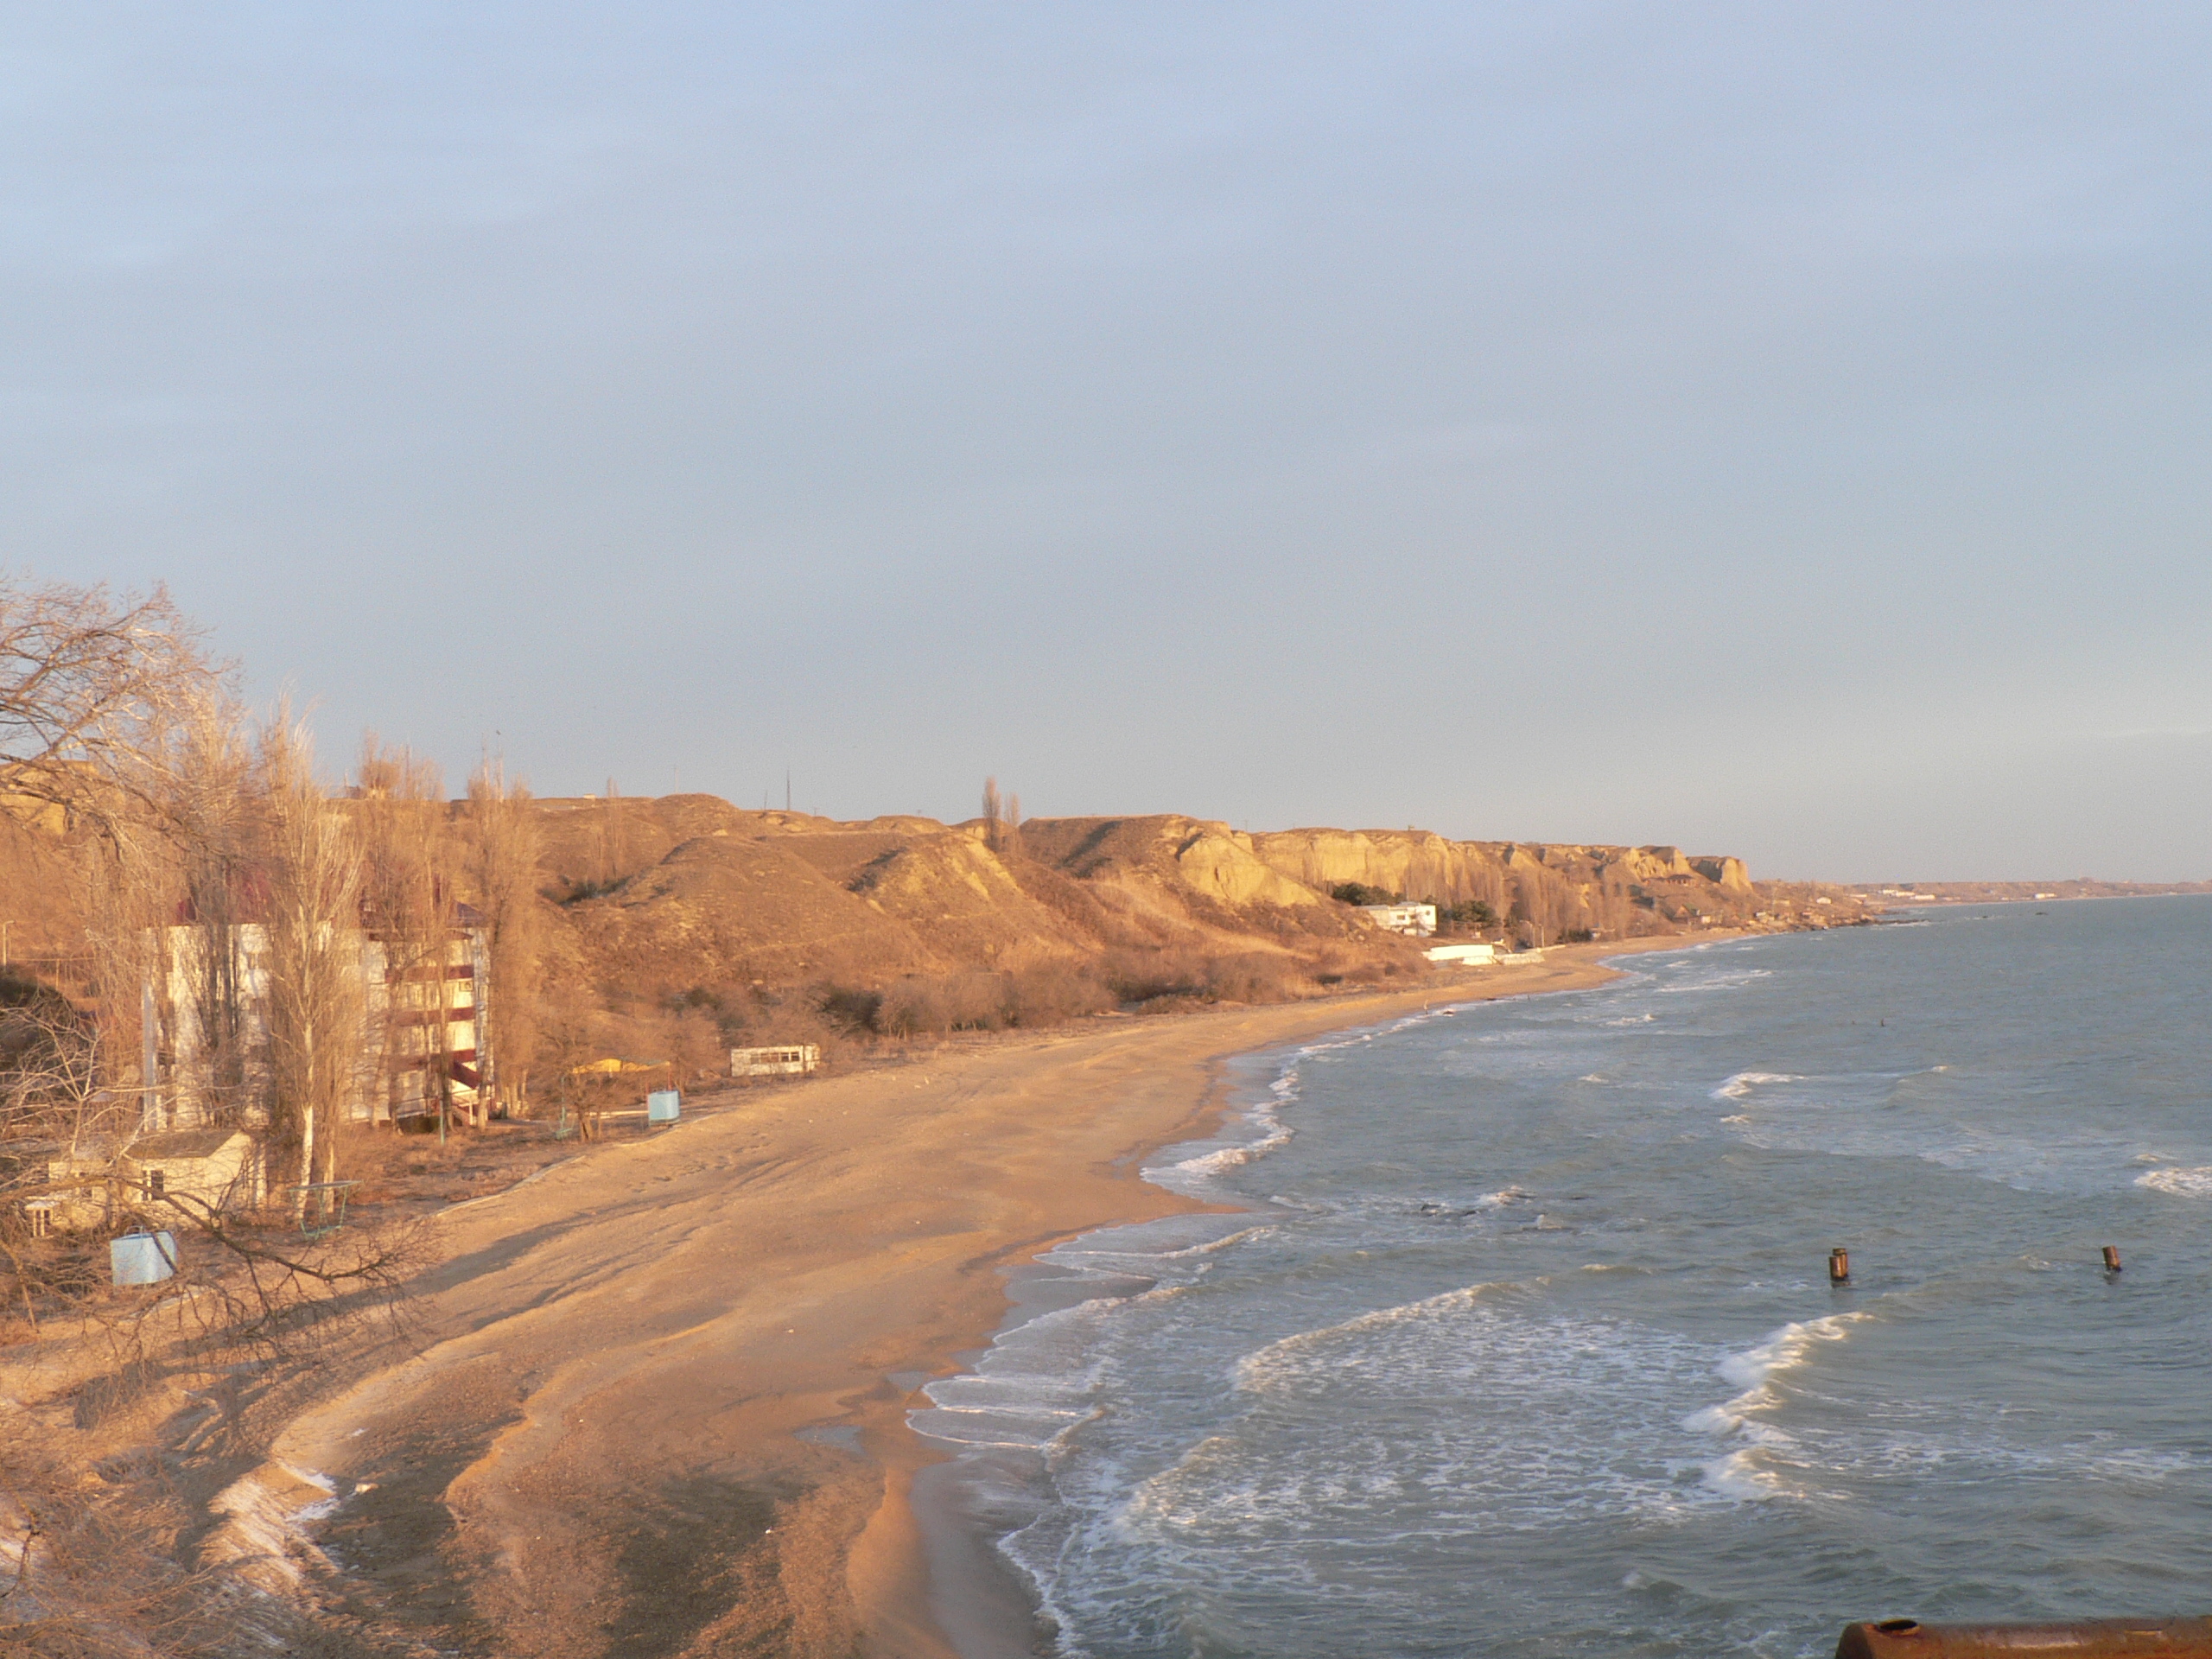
column 204, row 1170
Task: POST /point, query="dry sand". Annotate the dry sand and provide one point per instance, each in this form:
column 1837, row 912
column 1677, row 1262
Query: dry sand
column 662, row 1405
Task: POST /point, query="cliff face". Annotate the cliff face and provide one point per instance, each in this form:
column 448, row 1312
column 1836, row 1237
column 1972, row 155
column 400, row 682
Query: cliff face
column 683, row 922
column 1557, row 890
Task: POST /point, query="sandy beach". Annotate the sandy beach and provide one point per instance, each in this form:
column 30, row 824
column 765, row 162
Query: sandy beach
column 660, row 1407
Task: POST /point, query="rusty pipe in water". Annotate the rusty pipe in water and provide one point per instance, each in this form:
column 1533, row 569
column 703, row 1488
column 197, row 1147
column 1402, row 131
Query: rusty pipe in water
column 2090, row 1638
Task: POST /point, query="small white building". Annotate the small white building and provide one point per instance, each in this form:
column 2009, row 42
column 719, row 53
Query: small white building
column 1467, row 955
column 202, row 1173
column 791, row 1060
column 1414, row 921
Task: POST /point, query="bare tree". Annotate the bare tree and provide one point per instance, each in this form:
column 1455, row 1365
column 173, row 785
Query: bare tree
column 98, row 690
column 503, row 858
column 1002, row 818
column 407, row 895
column 613, row 839
column 316, row 1040
column 193, row 848
column 84, row 672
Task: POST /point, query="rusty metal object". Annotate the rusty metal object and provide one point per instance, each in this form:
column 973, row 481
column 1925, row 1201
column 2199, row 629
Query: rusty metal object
column 2091, row 1638
column 1838, row 1266
column 2111, row 1258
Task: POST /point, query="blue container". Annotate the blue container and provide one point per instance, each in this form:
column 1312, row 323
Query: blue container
column 142, row 1258
column 663, row 1106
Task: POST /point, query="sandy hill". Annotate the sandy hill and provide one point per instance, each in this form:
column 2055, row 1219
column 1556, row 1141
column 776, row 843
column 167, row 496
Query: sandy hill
column 676, row 926
column 759, row 921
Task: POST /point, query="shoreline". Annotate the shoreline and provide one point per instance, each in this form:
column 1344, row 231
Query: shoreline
column 663, row 1389
column 980, row 1602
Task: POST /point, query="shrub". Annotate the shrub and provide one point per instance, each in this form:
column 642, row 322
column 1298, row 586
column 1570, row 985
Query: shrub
column 850, row 1006
column 1050, row 993
column 931, row 1005
column 1358, row 893
column 1256, row 976
column 977, row 1002
column 1144, row 976
column 910, row 1009
column 573, row 890
column 1468, row 916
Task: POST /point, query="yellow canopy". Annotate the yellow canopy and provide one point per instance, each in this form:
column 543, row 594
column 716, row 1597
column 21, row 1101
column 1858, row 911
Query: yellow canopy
column 612, row 1067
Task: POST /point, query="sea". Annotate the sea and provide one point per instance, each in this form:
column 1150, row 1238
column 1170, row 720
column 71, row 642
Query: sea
column 1523, row 1343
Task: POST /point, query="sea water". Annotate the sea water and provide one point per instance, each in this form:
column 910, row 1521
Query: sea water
column 1525, row 1344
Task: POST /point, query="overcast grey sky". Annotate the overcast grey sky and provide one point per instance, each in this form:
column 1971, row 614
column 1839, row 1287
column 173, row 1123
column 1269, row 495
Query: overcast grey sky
column 1778, row 429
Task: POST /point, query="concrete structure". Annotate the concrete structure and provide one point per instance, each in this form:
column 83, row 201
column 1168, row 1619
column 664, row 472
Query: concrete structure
column 201, row 1171
column 428, row 1019
column 142, row 1258
column 197, row 1173
column 1415, row 921
column 793, row 1060
column 663, row 1106
column 1469, row 956
column 424, row 1042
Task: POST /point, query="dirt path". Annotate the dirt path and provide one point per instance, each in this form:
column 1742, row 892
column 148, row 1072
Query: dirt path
column 663, row 1407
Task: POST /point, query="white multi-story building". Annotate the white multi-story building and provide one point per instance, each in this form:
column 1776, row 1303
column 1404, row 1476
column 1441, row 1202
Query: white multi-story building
column 1415, row 921
column 424, row 1042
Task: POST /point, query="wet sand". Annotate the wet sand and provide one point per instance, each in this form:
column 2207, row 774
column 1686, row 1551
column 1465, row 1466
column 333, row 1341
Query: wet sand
column 661, row 1408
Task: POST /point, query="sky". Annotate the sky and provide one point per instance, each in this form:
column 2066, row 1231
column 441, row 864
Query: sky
column 1779, row 429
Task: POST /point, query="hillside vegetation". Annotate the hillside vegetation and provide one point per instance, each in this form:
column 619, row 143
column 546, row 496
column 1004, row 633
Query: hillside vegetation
column 685, row 924
column 669, row 928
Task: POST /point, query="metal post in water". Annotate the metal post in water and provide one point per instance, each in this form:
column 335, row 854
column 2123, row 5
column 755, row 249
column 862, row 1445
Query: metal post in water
column 1838, row 1266
column 2111, row 1258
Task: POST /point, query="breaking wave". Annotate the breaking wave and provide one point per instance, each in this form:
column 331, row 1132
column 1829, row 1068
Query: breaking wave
column 1743, row 1083
column 2181, row 1183
column 1748, row 1470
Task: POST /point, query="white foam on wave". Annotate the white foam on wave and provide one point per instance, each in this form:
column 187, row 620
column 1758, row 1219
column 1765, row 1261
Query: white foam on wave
column 1730, row 979
column 1464, row 1413
column 1741, row 1082
column 1748, row 1471
column 1222, row 1157
column 1786, row 1348
column 2181, row 1183
column 1258, row 1368
column 1032, row 1397
column 1088, row 1249
column 1265, row 1114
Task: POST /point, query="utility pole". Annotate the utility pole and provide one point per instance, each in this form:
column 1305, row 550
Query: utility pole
column 149, row 1060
